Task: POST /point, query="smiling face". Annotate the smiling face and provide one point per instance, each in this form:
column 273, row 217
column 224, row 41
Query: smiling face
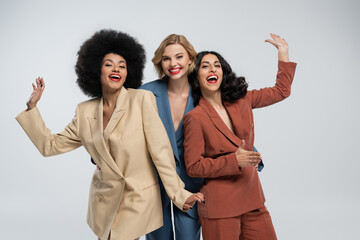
column 175, row 61
column 210, row 74
column 113, row 72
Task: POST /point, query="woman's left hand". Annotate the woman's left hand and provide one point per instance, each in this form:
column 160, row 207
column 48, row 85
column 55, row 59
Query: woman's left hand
column 189, row 203
column 281, row 45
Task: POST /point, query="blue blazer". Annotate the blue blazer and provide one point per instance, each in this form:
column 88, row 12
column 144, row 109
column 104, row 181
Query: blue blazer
column 159, row 89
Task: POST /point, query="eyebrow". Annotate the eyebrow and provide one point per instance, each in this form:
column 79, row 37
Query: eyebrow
column 175, row 54
column 209, row 62
column 121, row 61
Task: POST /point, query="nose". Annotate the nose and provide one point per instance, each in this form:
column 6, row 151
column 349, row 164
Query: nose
column 116, row 68
column 213, row 69
column 173, row 63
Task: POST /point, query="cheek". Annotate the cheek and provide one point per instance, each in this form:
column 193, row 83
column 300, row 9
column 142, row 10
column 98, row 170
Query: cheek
column 202, row 82
column 164, row 66
column 125, row 73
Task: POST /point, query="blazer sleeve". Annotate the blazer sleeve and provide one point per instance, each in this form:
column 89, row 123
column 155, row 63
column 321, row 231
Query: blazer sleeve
column 49, row 144
column 161, row 152
column 282, row 89
column 196, row 164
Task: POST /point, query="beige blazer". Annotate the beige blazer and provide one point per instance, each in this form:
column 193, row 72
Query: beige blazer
column 124, row 195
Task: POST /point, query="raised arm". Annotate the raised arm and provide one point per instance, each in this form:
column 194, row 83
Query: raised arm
column 285, row 75
column 48, row 144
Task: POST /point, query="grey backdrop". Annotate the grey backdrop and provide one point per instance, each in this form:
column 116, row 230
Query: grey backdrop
column 309, row 142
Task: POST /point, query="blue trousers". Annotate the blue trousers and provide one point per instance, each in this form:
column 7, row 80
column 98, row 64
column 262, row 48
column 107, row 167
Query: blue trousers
column 186, row 227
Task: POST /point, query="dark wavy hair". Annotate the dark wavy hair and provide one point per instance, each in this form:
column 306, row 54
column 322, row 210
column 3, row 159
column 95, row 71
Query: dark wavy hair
column 232, row 87
column 92, row 52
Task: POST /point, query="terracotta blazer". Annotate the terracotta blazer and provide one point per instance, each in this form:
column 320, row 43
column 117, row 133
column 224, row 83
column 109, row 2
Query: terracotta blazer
column 210, row 149
column 124, row 195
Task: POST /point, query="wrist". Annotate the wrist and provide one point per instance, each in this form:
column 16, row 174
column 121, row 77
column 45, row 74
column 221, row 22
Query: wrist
column 283, row 56
column 30, row 106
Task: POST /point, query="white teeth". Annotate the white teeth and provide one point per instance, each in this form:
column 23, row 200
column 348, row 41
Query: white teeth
column 115, row 76
column 174, row 70
column 212, row 78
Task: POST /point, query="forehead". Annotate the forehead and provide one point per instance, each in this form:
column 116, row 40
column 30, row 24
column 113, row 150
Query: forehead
column 174, row 49
column 114, row 57
column 210, row 58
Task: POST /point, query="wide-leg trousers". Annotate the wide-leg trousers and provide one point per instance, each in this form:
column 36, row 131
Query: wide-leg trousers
column 253, row 225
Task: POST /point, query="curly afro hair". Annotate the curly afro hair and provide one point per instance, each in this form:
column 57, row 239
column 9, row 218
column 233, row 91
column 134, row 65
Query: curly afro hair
column 92, row 52
column 232, row 87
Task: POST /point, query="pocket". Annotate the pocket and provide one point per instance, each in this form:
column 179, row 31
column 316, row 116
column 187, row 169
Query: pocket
column 97, row 178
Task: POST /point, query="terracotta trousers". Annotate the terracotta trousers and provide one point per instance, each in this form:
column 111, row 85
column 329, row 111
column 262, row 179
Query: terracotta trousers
column 253, row 225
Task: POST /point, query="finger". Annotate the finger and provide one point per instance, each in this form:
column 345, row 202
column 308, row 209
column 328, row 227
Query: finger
column 201, row 196
column 198, row 199
column 42, row 83
column 275, row 36
column 33, row 85
column 187, row 206
column 272, row 42
column 254, row 161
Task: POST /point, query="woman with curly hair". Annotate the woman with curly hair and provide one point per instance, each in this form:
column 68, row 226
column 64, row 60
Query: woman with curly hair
column 219, row 134
column 121, row 130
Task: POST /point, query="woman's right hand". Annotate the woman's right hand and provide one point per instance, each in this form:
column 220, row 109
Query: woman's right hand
column 189, row 203
column 36, row 94
column 247, row 158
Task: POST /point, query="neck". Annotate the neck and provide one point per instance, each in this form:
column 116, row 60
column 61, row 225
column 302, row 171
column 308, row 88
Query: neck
column 109, row 98
column 178, row 86
column 214, row 99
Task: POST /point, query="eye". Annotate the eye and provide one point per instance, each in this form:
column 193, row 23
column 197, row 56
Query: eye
column 218, row 65
column 165, row 59
column 108, row 65
column 179, row 57
column 204, row 66
column 122, row 66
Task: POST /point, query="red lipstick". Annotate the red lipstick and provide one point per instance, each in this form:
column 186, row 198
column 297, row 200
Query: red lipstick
column 115, row 77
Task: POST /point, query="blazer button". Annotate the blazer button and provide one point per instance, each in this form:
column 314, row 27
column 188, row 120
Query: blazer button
column 131, row 200
column 122, row 181
column 221, row 149
column 101, row 197
column 252, row 125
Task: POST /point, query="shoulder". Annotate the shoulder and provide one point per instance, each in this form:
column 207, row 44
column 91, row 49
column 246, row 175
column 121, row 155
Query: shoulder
column 89, row 104
column 140, row 97
column 138, row 93
column 151, row 86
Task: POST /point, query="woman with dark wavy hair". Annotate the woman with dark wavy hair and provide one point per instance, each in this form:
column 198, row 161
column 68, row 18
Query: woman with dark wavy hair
column 121, row 130
column 219, row 134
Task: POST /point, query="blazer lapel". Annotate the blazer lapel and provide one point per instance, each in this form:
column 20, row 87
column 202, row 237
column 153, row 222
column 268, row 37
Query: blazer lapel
column 189, row 106
column 218, row 122
column 162, row 100
column 96, row 126
column 120, row 108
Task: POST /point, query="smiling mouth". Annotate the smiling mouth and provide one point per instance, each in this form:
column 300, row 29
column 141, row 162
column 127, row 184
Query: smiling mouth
column 212, row 78
column 115, row 77
column 174, row 71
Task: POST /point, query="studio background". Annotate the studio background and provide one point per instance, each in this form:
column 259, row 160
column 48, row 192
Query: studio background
column 309, row 142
